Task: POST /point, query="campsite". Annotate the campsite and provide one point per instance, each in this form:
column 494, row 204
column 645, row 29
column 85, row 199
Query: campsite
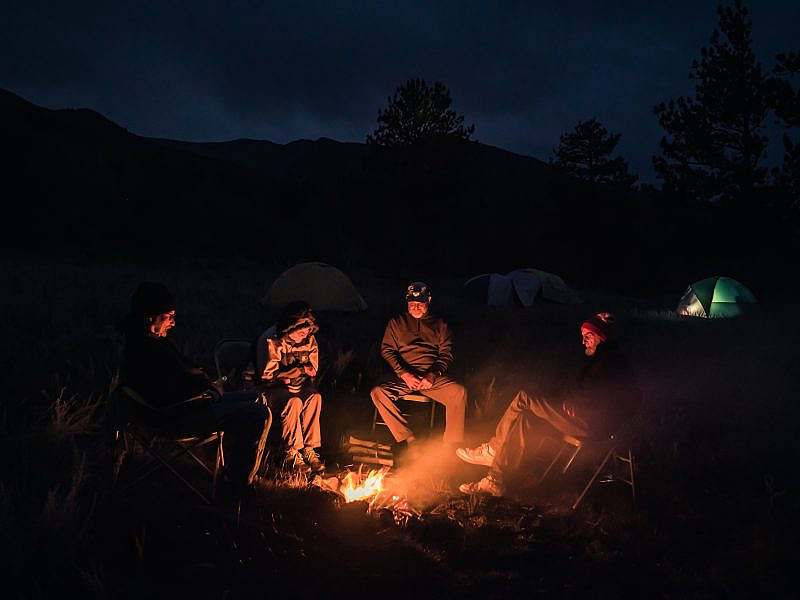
column 399, row 300
column 714, row 506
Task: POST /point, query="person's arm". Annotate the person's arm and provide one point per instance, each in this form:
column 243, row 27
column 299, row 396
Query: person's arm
column 274, row 370
column 445, row 357
column 312, row 367
column 390, row 353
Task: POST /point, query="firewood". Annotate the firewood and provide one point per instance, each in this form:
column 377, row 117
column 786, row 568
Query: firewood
column 372, row 460
column 369, row 452
column 354, row 441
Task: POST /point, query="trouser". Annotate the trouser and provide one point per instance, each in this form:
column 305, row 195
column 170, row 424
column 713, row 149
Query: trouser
column 445, row 391
column 515, row 430
column 245, row 419
column 300, row 412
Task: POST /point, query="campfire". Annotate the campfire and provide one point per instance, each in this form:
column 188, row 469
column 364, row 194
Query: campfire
column 353, row 489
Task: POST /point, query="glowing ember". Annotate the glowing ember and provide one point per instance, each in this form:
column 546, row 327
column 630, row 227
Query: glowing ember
column 372, row 485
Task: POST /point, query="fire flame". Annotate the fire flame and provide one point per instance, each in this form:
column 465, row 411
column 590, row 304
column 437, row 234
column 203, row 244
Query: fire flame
column 352, row 490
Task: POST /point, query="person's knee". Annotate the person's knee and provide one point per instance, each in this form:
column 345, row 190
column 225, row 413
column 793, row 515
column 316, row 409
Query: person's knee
column 293, row 406
column 376, row 393
column 315, row 399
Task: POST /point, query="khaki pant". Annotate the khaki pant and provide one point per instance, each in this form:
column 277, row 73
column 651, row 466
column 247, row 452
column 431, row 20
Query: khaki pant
column 445, row 391
column 299, row 413
column 514, row 432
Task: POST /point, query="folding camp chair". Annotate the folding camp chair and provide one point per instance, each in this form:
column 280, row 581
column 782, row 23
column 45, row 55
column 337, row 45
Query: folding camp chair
column 617, row 446
column 132, row 420
column 410, row 397
column 234, row 359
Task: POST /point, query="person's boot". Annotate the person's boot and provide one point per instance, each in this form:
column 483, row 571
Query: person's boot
column 293, row 460
column 481, row 455
column 490, row 485
column 312, row 460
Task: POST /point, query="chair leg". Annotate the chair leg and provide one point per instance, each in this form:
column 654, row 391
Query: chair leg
column 374, row 419
column 218, row 463
column 552, row 462
column 571, row 459
column 599, row 468
column 164, row 462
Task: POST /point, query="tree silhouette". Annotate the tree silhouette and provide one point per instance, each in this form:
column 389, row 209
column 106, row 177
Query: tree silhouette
column 585, row 153
column 787, row 109
column 418, row 112
column 715, row 145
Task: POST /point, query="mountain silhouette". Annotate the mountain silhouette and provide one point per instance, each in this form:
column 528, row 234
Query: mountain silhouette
column 75, row 179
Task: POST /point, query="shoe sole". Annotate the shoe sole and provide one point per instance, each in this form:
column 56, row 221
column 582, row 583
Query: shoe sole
column 469, row 492
column 468, row 459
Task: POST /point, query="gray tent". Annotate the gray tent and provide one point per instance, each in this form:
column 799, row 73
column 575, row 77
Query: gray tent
column 521, row 286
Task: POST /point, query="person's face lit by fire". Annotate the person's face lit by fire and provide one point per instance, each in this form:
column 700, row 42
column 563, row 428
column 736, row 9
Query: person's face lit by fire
column 590, row 341
column 298, row 335
column 418, row 309
column 160, row 325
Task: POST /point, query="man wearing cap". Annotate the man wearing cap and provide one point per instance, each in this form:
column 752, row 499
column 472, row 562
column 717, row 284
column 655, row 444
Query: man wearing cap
column 606, row 395
column 419, row 348
column 184, row 398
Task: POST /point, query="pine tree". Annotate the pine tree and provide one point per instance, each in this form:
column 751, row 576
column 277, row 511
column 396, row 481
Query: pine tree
column 585, row 153
column 418, row 112
column 715, row 147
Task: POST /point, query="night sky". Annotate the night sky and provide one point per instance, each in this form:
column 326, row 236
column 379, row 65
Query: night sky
column 523, row 74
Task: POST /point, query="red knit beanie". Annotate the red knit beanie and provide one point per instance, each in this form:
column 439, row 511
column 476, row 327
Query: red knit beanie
column 601, row 324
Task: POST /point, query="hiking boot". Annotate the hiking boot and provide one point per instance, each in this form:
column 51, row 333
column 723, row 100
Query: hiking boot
column 293, row 460
column 482, row 455
column 313, row 460
column 488, row 485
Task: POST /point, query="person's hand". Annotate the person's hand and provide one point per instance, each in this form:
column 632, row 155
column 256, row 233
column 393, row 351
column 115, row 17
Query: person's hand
column 426, row 382
column 412, row 381
column 568, row 408
column 309, row 370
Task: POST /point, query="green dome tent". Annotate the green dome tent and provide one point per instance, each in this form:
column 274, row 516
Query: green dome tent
column 715, row 297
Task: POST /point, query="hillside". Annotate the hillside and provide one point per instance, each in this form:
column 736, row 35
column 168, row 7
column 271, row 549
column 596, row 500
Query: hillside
column 77, row 180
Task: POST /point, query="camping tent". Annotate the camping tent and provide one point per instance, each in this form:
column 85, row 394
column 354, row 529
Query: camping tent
column 324, row 287
column 521, row 286
column 715, row 297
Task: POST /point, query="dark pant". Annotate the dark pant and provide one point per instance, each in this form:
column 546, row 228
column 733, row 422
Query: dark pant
column 244, row 418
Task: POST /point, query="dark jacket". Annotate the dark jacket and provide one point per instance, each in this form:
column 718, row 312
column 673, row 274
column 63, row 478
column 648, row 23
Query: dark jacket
column 155, row 369
column 607, row 394
column 417, row 346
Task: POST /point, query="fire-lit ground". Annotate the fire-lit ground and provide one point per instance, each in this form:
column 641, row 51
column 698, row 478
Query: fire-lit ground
column 716, row 511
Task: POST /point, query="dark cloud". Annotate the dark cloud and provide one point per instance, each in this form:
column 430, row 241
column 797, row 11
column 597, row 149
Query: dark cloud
column 523, row 72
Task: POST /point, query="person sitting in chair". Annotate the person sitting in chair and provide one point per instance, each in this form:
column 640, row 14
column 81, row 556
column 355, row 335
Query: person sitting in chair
column 184, row 399
column 605, row 396
column 292, row 361
column 419, row 348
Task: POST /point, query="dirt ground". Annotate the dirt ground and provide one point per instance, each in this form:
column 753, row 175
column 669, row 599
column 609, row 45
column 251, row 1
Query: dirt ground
column 717, row 494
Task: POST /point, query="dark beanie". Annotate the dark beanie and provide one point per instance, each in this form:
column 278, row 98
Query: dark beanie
column 151, row 299
column 601, row 324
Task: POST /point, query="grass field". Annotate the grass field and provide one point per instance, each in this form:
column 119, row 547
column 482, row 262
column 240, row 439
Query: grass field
column 716, row 458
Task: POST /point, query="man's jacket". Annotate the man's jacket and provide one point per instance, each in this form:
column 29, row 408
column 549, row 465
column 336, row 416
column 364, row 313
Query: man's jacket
column 607, row 394
column 417, row 346
column 155, row 368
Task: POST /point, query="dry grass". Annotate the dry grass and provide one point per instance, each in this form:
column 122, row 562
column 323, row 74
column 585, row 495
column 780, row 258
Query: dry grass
column 717, row 467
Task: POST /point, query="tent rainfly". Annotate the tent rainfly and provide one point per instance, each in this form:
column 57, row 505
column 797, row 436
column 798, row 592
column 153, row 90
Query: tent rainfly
column 522, row 286
column 324, row 287
column 715, row 297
